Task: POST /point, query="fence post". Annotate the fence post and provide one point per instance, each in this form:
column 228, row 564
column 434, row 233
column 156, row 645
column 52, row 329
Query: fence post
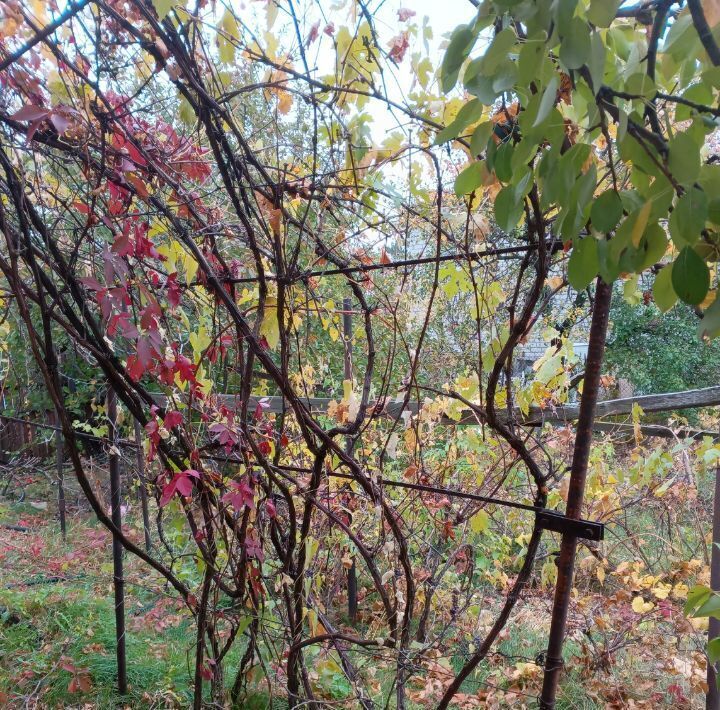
column 142, row 491
column 347, row 343
column 576, row 492
column 712, row 700
column 118, row 579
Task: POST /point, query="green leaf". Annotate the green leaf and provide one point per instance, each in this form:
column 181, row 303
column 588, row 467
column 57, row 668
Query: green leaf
column 697, row 596
column 596, row 63
column 684, row 158
column 575, row 44
column 663, row 291
column 584, row 263
column 642, row 85
column 713, row 650
column 710, row 324
column 461, row 43
column 508, row 209
column 652, row 248
column 502, row 163
column 480, row 137
column 548, row 101
column 480, row 522
column 602, row 12
column 688, row 218
column 469, row 179
column 497, row 52
column 711, row 607
column 505, row 76
column 468, row 114
column 606, row 211
column 690, row 277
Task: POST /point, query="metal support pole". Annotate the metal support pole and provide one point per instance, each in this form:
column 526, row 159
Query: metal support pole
column 576, row 492
column 347, row 342
column 712, row 700
column 142, row 490
column 118, row 579
column 59, row 455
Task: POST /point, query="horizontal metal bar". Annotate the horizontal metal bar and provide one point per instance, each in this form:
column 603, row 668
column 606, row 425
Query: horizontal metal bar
column 556, row 522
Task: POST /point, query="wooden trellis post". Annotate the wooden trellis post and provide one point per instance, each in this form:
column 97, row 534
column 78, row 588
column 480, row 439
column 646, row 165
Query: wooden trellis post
column 118, row 579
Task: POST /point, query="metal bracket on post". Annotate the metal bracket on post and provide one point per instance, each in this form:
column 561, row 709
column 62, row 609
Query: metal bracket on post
column 584, row 529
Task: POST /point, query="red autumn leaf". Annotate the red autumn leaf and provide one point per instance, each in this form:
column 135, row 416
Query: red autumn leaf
column 253, row 548
column 181, row 483
column 224, row 435
column 313, row 34
column 61, row 122
column 398, row 46
column 240, row 495
column 172, row 419
column 134, row 368
column 144, row 352
column 92, row 283
column 139, row 185
column 122, row 246
column 271, row 510
column 206, row 670
column 29, row 112
column 185, row 369
column 173, row 290
column 148, row 317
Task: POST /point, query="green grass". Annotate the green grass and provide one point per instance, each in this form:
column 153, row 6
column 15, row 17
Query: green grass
column 61, row 621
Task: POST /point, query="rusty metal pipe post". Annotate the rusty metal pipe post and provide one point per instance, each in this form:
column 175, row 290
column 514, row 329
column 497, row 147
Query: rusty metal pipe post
column 576, row 493
column 712, row 700
column 142, row 490
column 59, row 457
column 116, row 514
column 347, row 343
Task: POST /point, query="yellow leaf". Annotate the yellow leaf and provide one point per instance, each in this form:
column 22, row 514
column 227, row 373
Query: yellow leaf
column 191, row 267
column 312, row 621
column 479, row 522
column 226, row 50
column 285, row 101
column 199, row 342
column 662, row 590
column 229, row 24
column 162, row 7
column 640, row 223
column 640, row 606
column 270, row 327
